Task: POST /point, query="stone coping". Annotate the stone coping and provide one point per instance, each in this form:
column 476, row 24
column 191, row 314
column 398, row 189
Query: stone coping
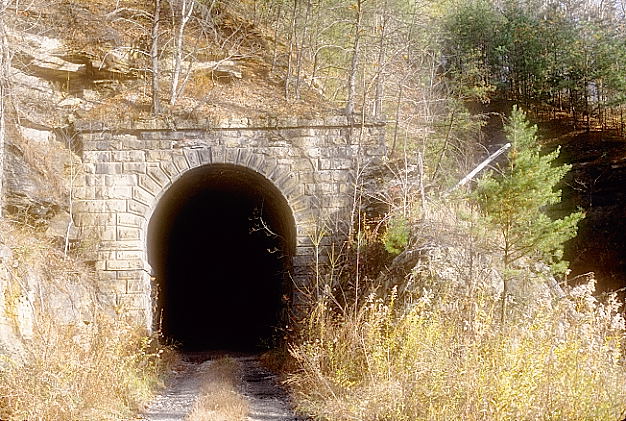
column 269, row 123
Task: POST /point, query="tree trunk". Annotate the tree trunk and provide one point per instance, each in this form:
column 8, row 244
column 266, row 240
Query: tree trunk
column 5, row 60
column 301, row 52
column 401, row 83
column 275, row 53
column 186, row 9
column 587, row 110
column 154, row 56
column 292, row 36
column 397, row 122
column 315, row 44
column 354, row 67
column 505, row 287
column 380, row 82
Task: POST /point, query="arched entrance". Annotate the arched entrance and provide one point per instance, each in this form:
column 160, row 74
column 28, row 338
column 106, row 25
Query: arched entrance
column 221, row 242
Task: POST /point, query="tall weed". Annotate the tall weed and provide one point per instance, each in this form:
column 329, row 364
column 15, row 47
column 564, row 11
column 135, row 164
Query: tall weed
column 450, row 358
column 104, row 371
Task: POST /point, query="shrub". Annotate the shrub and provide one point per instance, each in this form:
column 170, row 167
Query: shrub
column 396, row 237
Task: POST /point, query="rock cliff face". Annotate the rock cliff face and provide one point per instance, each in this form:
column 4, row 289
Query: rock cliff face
column 52, row 83
column 38, row 282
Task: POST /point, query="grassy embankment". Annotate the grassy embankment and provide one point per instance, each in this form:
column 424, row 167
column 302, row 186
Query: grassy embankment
column 101, row 367
column 437, row 350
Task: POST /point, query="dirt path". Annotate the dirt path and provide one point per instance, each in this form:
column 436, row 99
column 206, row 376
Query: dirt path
column 176, row 401
column 268, row 401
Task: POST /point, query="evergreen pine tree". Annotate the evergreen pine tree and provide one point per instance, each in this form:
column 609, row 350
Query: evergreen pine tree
column 515, row 200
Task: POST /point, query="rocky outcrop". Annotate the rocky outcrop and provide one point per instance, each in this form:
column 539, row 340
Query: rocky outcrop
column 54, row 79
column 451, row 254
column 52, row 82
column 61, row 226
column 223, row 69
column 39, row 283
column 27, row 191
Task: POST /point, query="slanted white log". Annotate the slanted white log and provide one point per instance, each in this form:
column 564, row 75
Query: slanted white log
column 481, row 166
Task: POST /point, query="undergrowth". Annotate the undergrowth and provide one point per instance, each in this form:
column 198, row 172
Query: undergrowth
column 103, row 371
column 73, row 360
column 430, row 344
column 433, row 360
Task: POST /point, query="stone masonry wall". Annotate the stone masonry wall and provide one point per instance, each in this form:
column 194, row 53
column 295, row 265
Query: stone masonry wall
column 312, row 162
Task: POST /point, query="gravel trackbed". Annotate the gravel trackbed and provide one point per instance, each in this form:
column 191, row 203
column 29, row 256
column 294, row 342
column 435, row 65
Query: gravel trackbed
column 268, row 400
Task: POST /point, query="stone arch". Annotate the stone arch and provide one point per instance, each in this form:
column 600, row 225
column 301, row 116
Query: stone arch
column 162, row 176
column 159, row 177
column 128, row 169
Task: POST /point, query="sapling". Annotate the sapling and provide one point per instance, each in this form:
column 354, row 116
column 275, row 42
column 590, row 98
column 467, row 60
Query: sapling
column 516, row 198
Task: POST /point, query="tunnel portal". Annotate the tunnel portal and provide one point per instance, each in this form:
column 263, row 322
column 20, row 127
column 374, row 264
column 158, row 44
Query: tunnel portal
column 220, row 243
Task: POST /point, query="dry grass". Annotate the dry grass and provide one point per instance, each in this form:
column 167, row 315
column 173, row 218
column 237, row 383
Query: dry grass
column 425, row 362
column 221, row 398
column 75, row 363
column 103, row 371
column 430, row 345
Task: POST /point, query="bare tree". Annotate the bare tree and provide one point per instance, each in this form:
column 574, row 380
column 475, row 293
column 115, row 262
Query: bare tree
column 354, row 66
column 276, row 25
column 154, row 57
column 292, row 40
column 302, row 42
column 186, row 10
column 382, row 44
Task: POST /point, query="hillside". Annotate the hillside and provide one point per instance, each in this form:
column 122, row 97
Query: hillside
column 337, row 245
column 100, row 69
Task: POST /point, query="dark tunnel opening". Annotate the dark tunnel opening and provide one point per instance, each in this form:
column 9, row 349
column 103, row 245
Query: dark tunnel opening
column 220, row 244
